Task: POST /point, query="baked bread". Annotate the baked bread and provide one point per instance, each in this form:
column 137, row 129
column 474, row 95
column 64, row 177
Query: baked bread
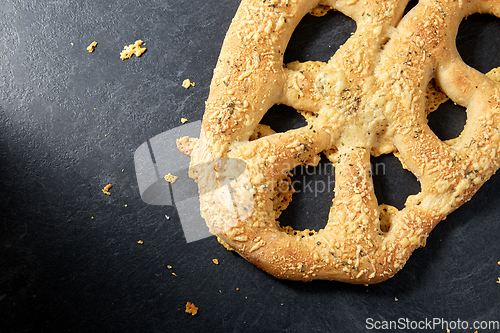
column 370, row 98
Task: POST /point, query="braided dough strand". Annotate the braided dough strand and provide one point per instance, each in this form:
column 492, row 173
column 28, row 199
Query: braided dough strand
column 368, row 99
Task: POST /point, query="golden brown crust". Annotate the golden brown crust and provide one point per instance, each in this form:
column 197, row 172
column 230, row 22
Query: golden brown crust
column 369, row 99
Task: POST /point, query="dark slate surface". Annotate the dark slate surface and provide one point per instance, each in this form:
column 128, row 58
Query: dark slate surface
column 70, row 122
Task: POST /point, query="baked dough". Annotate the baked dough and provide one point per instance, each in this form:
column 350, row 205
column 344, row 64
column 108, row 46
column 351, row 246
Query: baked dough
column 368, row 99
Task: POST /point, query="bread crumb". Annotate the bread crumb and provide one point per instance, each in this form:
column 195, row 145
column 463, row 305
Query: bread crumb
column 169, row 267
column 130, row 50
column 171, row 178
column 126, row 205
column 191, row 308
column 92, row 217
column 91, row 47
column 106, row 188
column 187, row 83
column 237, row 288
column 186, row 145
column 184, row 120
column 498, row 263
column 140, row 242
column 395, row 299
column 174, row 274
column 215, row 261
column 498, row 281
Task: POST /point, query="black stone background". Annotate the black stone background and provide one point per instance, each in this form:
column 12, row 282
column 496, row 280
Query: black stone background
column 70, row 122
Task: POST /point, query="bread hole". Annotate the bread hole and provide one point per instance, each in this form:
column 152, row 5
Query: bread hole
column 308, row 211
column 317, row 38
column 282, row 118
column 448, row 121
column 445, row 118
column 392, row 184
column 386, row 213
column 478, row 41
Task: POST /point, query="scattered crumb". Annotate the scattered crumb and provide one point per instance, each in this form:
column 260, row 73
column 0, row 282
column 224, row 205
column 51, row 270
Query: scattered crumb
column 129, row 51
column 72, row 44
column 498, row 281
column 448, row 330
column 140, row 242
column 186, row 145
column 170, row 267
column 123, row 170
column 215, row 261
column 395, row 299
column 187, row 83
column 171, row 178
column 167, row 217
column 106, row 188
column 91, row 47
column 191, row 308
column 498, row 263
column 126, row 205
column 237, row 288
column 184, row 120
column 92, row 217
column 319, row 11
